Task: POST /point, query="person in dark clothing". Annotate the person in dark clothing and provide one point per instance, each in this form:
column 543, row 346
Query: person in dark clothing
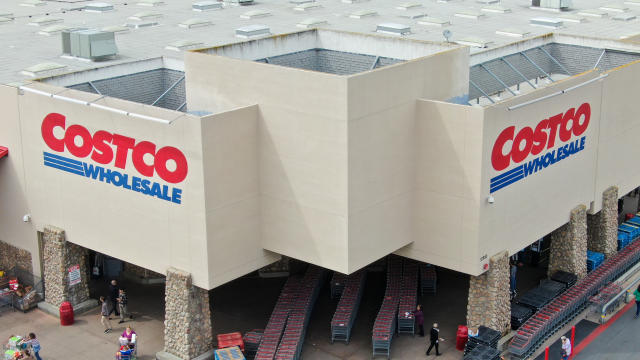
column 419, row 316
column 435, row 339
column 114, row 293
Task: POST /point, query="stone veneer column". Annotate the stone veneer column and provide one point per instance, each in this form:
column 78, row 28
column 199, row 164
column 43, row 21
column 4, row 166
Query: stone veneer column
column 489, row 296
column 59, row 255
column 569, row 245
column 11, row 256
column 187, row 324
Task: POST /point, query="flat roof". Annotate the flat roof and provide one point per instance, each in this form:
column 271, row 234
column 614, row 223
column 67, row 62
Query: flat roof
column 26, row 45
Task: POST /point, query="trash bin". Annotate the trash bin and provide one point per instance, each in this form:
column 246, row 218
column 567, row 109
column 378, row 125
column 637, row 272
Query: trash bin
column 461, row 337
column 66, row 314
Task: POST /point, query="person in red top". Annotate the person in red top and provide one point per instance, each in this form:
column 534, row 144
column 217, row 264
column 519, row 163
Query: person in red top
column 417, row 313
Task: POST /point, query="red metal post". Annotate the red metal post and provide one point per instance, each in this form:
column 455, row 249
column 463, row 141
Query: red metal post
column 573, row 339
column 546, row 353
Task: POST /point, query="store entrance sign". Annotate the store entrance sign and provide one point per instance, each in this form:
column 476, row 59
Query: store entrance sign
column 74, row 275
column 106, row 148
column 559, row 134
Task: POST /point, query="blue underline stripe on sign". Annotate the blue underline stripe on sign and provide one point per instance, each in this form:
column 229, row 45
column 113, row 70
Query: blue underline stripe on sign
column 63, row 168
column 64, row 164
column 51, row 156
column 62, row 161
column 507, row 183
column 506, row 179
column 506, row 174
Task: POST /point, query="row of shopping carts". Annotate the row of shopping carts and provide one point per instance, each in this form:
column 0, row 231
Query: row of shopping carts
column 347, row 309
column 428, row 279
column 278, row 320
column 486, row 338
column 338, row 282
column 252, row 341
column 385, row 323
column 308, row 289
column 563, row 308
column 408, row 297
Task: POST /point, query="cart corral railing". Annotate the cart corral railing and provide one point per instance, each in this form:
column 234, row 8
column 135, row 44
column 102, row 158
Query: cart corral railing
column 626, row 291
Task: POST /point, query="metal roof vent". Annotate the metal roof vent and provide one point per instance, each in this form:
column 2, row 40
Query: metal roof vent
column 546, row 22
column 488, row 2
column 412, row 14
column 53, row 30
column 254, row 14
column 624, row 17
column 555, row 4
column 5, row 20
column 353, row 1
column 517, row 33
column 181, row 45
column 408, row 5
column 307, row 6
column 6, row 15
column 393, row 29
column 362, row 14
column 89, row 44
column 298, row 2
column 42, row 69
column 194, row 23
column 33, row 3
column 145, row 15
column 141, row 24
column 150, row 3
column 572, row 18
column 593, row 13
column 469, row 14
column 118, row 29
column 206, row 5
column 240, row 2
column 474, row 42
column 252, row 31
column 44, row 21
column 614, row 8
column 632, row 2
column 311, row 23
column 433, row 21
column 496, row 9
column 98, row 7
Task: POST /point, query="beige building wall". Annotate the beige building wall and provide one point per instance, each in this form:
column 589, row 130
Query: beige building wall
column 232, row 195
column 13, row 195
column 302, row 149
column 447, row 185
column 619, row 132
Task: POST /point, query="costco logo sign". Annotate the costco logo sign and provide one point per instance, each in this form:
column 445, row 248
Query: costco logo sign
column 106, row 148
column 558, row 136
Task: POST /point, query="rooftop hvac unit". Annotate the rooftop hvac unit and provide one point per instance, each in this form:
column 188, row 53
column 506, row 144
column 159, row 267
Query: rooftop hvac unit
column 554, row 4
column 89, row 44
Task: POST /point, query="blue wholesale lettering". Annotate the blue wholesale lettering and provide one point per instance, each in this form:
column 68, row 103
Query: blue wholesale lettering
column 134, row 183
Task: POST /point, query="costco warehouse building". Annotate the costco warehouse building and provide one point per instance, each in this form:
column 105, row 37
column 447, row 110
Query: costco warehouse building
column 330, row 147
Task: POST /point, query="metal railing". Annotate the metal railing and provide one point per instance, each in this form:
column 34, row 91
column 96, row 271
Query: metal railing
column 625, row 291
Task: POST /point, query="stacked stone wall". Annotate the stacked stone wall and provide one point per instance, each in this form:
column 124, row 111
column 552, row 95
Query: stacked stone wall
column 608, row 226
column 187, row 325
column 489, row 296
column 140, row 271
column 568, row 250
column 58, row 256
column 12, row 256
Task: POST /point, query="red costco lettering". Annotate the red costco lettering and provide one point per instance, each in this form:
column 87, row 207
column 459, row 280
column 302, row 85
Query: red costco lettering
column 510, row 146
column 101, row 145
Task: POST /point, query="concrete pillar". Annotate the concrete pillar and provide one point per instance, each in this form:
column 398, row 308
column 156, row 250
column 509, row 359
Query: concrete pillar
column 187, row 325
column 277, row 269
column 603, row 226
column 489, row 296
column 60, row 257
column 12, row 256
column 569, row 245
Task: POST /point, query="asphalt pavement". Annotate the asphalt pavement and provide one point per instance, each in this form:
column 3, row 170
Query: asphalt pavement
column 619, row 341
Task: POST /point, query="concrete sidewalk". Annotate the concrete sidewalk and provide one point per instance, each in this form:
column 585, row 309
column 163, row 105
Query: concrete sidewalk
column 84, row 339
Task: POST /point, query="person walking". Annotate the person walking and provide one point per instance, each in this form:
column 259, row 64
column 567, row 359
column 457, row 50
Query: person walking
column 566, row 348
column 114, row 292
column 435, row 339
column 637, row 295
column 122, row 305
column 104, row 315
column 419, row 316
column 35, row 345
